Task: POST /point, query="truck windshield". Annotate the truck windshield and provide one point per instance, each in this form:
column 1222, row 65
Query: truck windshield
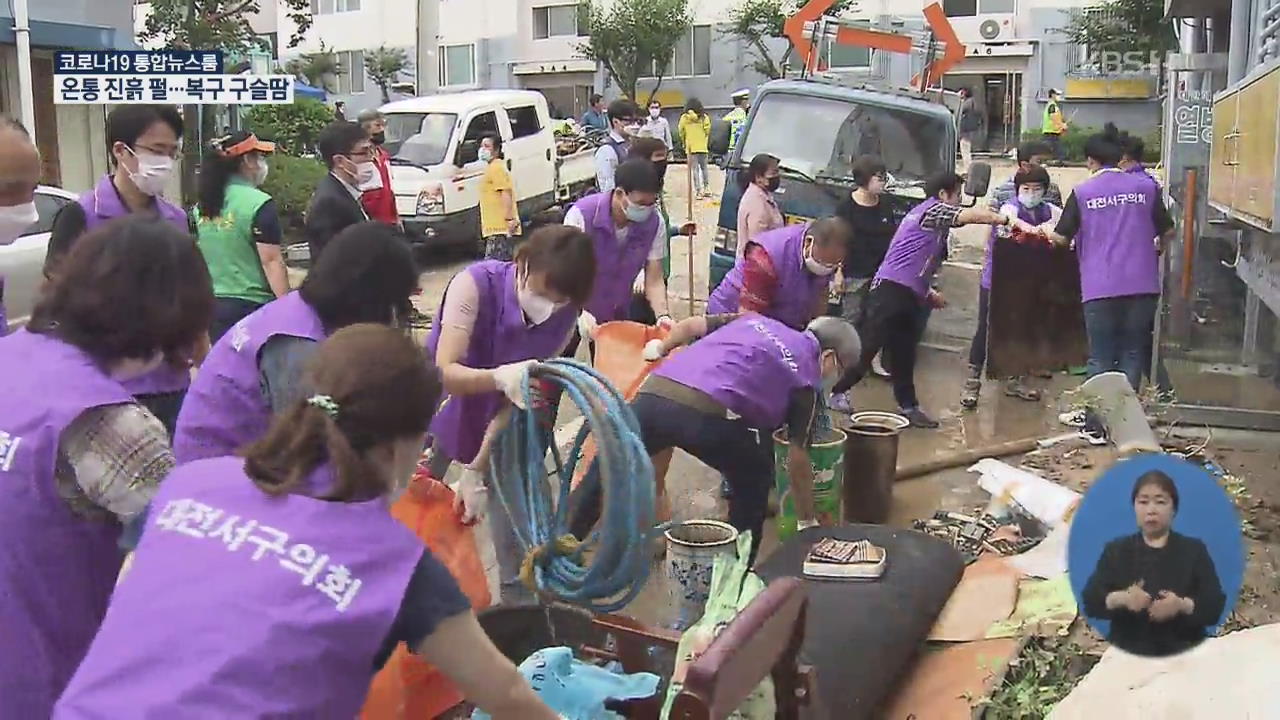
column 419, row 138
column 821, row 137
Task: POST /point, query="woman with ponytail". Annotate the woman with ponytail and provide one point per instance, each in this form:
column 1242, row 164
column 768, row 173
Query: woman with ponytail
column 238, row 229
column 276, row 583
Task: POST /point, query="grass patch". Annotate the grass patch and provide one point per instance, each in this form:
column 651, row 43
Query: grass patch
column 1037, row 679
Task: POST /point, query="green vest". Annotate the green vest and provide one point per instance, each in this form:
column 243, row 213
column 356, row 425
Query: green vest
column 228, row 246
column 1047, row 126
column 736, row 118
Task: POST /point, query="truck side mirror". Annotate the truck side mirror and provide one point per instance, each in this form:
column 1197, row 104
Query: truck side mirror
column 469, row 152
column 977, row 180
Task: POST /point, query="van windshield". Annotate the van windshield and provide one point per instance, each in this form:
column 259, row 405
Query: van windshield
column 419, row 138
column 821, row 137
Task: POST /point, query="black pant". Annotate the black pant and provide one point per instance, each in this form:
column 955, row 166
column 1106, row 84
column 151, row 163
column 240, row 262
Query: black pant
column 892, row 320
column 1054, row 141
column 228, row 312
column 164, row 406
column 978, row 350
column 641, row 311
column 742, row 454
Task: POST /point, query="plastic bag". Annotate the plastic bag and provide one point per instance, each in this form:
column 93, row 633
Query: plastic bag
column 576, row 690
column 407, row 686
column 733, row 587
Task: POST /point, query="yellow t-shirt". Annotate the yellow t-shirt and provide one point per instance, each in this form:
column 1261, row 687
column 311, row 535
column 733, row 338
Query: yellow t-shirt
column 493, row 209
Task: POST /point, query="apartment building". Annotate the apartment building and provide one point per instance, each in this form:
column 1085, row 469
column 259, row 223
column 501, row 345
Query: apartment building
column 72, row 138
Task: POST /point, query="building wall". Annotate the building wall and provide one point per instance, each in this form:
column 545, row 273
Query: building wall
column 115, row 14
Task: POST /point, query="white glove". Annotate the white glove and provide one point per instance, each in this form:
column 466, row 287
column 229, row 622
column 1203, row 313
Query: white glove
column 1010, row 214
column 471, row 497
column 587, row 325
column 653, row 350
column 509, row 379
column 665, row 322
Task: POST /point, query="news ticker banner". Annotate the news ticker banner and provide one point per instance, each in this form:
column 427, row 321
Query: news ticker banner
column 172, row 77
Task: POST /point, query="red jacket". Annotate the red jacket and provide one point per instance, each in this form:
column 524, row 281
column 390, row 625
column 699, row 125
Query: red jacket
column 380, row 204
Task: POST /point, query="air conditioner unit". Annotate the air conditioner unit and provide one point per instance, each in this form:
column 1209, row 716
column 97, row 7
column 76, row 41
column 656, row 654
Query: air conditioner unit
column 985, row 28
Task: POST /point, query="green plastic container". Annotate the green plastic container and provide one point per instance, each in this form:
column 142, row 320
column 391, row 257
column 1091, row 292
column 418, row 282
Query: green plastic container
column 827, row 458
column 721, row 263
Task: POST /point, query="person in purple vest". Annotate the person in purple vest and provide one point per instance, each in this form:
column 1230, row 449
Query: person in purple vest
column 496, row 318
column 785, row 273
column 1117, row 222
column 209, row 605
column 142, row 141
column 19, row 176
column 901, row 287
column 721, row 398
column 1029, row 204
column 629, row 237
column 366, row 275
column 78, row 455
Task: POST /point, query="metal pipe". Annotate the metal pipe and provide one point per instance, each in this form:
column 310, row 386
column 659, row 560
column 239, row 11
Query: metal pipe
column 1238, row 55
column 26, row 94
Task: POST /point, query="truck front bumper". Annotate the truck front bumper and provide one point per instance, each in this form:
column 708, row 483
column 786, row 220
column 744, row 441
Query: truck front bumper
column 454, row 229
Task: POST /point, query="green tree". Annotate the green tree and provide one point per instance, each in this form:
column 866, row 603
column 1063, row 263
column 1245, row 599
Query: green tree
column 632, row 38
column 384, row 66
column 294, row 128
column 1123, row 26
column 319, row 68
column 756, row 22
column 211, row 25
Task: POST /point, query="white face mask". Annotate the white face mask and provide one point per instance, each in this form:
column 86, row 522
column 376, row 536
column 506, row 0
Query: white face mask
column 655, row 113
column 16, row 218
column 485, row 154
column 367, row 177
column 1031, row 198
column 259, row 174
column 536, row 307
column 814, row 266
column 153, row 172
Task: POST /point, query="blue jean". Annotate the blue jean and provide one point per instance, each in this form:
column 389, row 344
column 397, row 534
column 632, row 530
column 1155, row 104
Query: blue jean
column 1119, row 331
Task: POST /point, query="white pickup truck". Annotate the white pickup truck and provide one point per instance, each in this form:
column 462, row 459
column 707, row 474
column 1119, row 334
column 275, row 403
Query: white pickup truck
column 435, row 173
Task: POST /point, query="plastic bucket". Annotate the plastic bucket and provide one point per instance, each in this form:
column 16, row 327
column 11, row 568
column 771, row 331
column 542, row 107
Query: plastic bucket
column 871, row 465
column 827, row 458
column 692, row 547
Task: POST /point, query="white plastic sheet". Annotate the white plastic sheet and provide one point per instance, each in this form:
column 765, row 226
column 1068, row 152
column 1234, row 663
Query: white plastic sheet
column 1049, row 502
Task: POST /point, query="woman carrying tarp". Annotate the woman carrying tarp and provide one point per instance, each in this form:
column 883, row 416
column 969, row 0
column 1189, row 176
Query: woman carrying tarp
column 343, row 582
column 495, row 320
column 238, row 230
column 79, row 455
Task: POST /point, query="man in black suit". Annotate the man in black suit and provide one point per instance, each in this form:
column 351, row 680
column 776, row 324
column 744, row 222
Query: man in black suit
column 348, row 151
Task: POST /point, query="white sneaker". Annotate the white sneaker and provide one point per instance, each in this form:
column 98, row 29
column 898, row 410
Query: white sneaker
column 1073, row 418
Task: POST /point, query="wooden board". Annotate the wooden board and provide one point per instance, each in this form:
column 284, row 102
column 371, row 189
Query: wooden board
column 1035, row 320
column 941, row 683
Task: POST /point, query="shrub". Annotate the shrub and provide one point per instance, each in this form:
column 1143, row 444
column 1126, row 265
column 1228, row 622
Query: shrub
column 292, row 181
column 292, row 127
column 1073, row 143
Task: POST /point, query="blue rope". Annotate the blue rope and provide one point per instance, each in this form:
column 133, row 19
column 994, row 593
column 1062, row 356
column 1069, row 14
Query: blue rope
column 555, row 564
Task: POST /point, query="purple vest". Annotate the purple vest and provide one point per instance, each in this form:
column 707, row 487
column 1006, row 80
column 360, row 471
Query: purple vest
column 797, row 291
column 246, row 605
column 224, row 410
column 616, row 266
column 500, row 336
column 103, row 204
column 914, row 252
column 1037, row 215
column 57, row 568
column 1116, row 242
column 751, row 366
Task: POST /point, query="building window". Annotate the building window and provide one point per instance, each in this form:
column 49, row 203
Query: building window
column 558, row 21
column 524, row 121
column 970, row 8
column 329, row 7
column 351, row 73
column 692, row 56
column 457, row 65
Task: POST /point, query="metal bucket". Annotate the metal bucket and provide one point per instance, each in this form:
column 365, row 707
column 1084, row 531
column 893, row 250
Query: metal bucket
column 692, row 547
column 871, row 465
column 828, row 471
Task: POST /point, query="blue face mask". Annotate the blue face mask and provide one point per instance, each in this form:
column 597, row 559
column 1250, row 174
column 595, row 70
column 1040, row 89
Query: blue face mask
column 638, row 213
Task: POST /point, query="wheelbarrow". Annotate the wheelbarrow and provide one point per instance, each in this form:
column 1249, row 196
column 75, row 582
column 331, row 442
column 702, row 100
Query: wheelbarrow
column 762, row 640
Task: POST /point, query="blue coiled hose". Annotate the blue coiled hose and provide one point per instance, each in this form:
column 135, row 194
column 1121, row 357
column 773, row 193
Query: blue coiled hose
column 555, row 562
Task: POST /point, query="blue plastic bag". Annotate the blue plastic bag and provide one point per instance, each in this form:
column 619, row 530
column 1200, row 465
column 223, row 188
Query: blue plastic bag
column 578, row 690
